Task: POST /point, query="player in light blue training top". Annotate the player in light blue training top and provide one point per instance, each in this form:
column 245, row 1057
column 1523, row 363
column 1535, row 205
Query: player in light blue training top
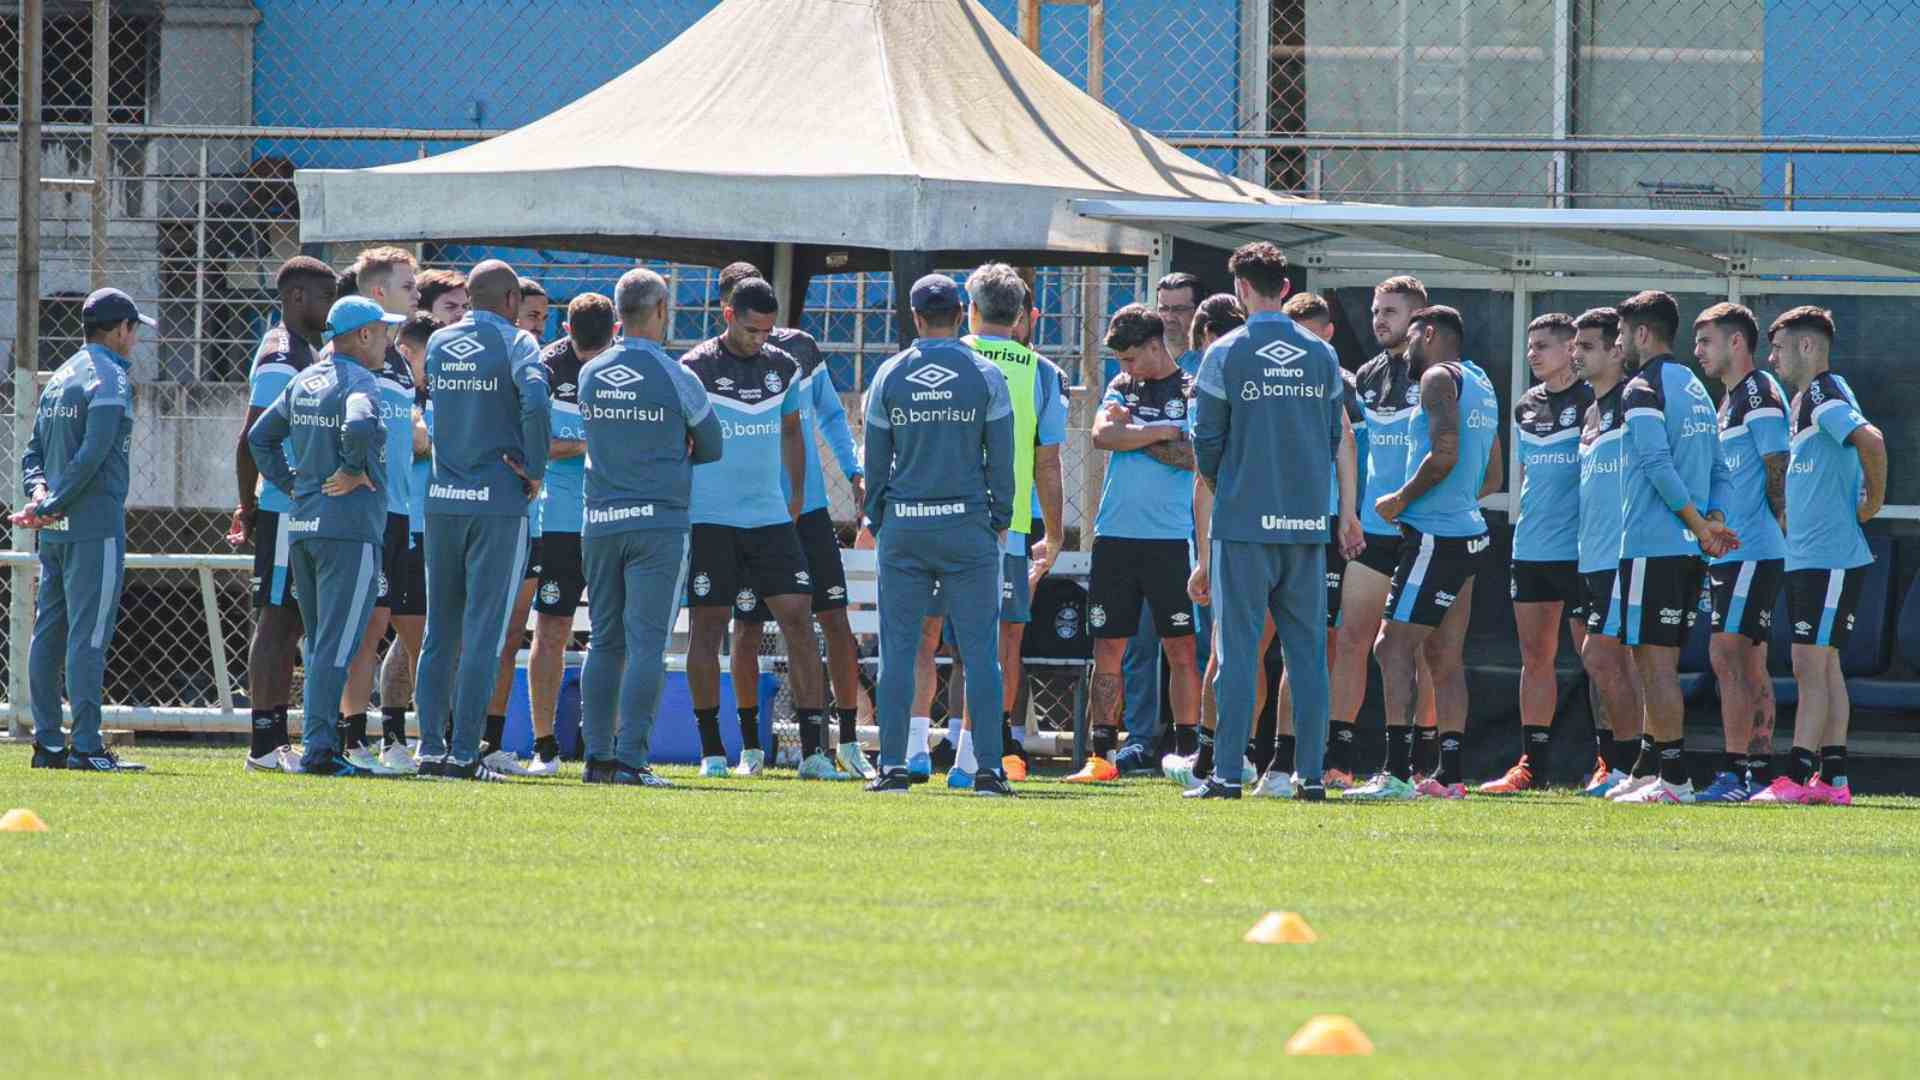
column 1453, row 460
column 74, row 480
column 1744, row 583
column 1670, row 469
column 1836, row 482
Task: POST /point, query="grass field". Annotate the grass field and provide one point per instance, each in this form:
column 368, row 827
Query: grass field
column 201, row 921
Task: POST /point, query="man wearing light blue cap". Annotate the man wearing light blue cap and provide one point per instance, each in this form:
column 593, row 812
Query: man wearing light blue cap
column 75, row 475
column 328, row 420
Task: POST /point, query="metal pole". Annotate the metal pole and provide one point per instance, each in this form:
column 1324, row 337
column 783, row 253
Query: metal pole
column 26, row 351
column 216, row 643
column 1517, row 385
column 1562, row 98
column 1787, row 203
column 1256, row 83
column 1091, row 306
column 200, row 269
column 783, row 285
column 102, row 154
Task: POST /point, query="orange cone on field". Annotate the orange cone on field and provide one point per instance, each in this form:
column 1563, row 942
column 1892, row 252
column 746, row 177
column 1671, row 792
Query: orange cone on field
column 1281, row 928
column 1330, row 1035
column 21, row 819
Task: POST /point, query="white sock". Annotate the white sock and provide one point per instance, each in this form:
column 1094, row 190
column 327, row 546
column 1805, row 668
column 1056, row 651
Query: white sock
column 917, row 735
column 963, row 758
column 955, row 726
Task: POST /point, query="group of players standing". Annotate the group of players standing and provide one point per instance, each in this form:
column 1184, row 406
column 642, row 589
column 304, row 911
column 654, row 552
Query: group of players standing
column 413, row 460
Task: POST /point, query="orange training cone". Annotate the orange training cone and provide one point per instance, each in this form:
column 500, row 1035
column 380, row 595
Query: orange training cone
column 1330, row 1035
column 21, row 819
column 1281, row 928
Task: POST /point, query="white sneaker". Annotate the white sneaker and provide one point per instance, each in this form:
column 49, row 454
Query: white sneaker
column 281, row 760
column 853, row 761
column 363, row 758
column 752, row 763
column 1179, row 769
column 541, row 768
column 713, row 768
column 1632, row 785
column 819, row 766
column 399, row 760
column 504, row 763
column 1660, row 792
column 1277, row 784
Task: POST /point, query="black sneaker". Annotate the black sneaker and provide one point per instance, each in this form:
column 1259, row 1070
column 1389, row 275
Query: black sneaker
column 432, row 769
column 98, row 761
column 1310, row 792
column 993, row 783
column 891, row 782
column 943, row 754
column 332, row 765
column 1212, row 789
column 44, row 758
column 472, row 770
column 599, row 772
column 1135, row 759
column 640, row 777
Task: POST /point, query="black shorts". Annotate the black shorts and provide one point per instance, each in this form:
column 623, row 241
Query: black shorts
column 272, row 580
column 1603, row 606
column 1549, row 583
column 1822, row 604
column 1659, row 598
column 406, row 573
column 393, row 547
column 1126, row 573
column 734, row 567
column 1430, row 575
column 533, row 558
column 822, row 547
column 1744, row 594
column 1382, row 555
column 562, row 578
column 1336, row 578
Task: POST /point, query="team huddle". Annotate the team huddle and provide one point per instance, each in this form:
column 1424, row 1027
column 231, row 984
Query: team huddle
column 414, row 465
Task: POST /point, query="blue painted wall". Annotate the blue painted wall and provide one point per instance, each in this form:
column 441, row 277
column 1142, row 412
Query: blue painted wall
column 1842, row 71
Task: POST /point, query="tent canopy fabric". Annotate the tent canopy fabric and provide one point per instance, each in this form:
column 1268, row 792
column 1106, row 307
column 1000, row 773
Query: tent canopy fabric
column 892, row 125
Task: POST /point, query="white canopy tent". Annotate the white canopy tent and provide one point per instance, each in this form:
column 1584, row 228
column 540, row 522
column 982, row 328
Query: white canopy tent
column 1522, row 251
column 852, row 129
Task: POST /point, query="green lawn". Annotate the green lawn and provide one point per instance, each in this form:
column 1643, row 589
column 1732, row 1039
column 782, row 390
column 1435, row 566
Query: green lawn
column 202, row 921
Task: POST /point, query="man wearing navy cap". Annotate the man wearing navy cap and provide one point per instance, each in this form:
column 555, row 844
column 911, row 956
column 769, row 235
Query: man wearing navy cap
column 940, row 484
column 323, row 440
column 75, row 476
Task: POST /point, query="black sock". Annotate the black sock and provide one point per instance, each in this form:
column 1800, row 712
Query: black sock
column 849, row 724
column 356, row 730
column 1451, row 748
column 1603, row 744
column 263, row 738
column 810, row 723
column 1648, row 762
column 281, row 736
column 1625, row 753
column 1283, row 748
column 1534, row 739
column 1733, row 763
column 749, row 727
column 340, row 731
column 1673, row 762
column 546, row 748
column 1800, row 766
column 1833, row 765
column 393, row 725
column 1426, row 751
column 1759, row 770
column 1203, row 754
column 1006, row 732
column 494, row 733
column 708, row 721
column 1340, row 746
column 1186, row 741
column 1399, row 750
column 1104, row 740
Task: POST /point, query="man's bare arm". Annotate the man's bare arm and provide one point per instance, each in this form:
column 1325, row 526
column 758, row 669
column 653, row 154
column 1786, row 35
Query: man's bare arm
column 1777, row 483
column 1440, row 399
column 1496, row 469
column 1175, row 452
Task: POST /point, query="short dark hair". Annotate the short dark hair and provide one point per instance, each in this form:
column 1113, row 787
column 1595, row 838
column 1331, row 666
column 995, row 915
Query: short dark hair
column 733, row 274
column 1806, row 317
column 1604, row 319
column 590, row 320
column 1652, row 309
column 348, row 283
column 1133, row 326
column 94, row 330
column 530, row 287
column 1262, row 265
column 1307, row 305
column 418, row 328
column 1442, row 316
column 1557, row 323
column 1217, row 316
column 753, row 295
column 435, row 284
column 301, row 271
column 1405, row 285
column 1180, row 279
column 1731, row 316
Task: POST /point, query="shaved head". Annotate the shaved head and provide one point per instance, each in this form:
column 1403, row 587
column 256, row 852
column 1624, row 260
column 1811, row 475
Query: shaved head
column 494, row 286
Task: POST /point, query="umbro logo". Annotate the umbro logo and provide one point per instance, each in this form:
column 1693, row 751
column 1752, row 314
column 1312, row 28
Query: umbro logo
column 932, row 377
column 1803, row 626
column 463, row 348
column 723, row 383
column 1697, row 389
column 620, row 375
column 1280, row 353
